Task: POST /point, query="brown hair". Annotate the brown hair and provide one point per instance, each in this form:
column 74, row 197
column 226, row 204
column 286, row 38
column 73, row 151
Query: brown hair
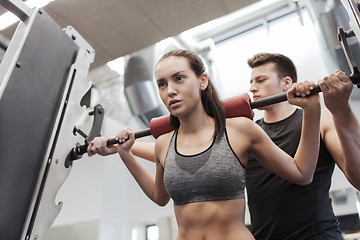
column 209, row 97
column 284, row 66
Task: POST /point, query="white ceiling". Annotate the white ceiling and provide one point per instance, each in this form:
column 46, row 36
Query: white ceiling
column 115, row 28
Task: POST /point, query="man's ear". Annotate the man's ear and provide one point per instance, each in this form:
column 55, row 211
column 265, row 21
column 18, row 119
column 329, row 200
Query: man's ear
column 287, row 82
column 204, row 81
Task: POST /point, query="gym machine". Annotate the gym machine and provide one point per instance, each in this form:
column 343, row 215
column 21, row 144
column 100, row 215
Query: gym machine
column 44, row 93
column 353, row 9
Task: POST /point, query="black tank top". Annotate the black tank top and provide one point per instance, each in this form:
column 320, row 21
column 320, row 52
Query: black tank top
column 282, row 210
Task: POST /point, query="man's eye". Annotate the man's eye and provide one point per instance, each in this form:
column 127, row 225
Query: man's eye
column 179, row 78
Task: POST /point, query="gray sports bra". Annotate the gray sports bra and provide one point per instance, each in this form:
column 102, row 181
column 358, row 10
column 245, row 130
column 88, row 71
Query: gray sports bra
column 214, row 174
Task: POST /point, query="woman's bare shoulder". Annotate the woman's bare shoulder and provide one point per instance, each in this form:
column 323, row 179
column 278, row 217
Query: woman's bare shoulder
column 162, row 145
column 245, row 127
column 240, row 123
column 164, row 138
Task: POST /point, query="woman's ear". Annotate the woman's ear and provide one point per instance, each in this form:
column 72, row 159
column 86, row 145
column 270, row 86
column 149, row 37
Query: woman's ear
column 204, row 81
column 287, row 81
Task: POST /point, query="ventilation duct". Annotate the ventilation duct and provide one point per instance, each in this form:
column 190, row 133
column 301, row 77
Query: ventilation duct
column 140, row 90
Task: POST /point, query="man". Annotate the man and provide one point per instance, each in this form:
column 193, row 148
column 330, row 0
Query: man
column 278, row 208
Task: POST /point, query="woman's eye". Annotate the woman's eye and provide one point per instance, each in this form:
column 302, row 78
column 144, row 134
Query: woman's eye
column 161, row 85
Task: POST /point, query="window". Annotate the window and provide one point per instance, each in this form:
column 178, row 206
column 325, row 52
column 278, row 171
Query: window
column 285, row 35
column 152, row 232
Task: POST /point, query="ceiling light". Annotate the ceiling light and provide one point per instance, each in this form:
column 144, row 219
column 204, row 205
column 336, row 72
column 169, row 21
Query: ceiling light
column 7, row 19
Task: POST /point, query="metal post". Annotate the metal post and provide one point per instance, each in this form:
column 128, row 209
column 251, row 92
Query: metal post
column 17, row 7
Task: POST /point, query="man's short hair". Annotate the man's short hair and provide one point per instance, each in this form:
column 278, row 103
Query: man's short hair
column 284, row 66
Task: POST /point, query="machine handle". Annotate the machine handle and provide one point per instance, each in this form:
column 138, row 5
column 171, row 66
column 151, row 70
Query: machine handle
column 278, row 98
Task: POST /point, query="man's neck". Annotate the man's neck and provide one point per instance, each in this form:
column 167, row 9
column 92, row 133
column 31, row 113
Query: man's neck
column 277, row 112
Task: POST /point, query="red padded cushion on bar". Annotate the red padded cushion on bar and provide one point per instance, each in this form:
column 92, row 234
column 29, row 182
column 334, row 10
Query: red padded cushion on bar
column 160, row 126
column 238, row 106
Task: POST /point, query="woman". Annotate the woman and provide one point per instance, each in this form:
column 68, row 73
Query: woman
column 201, row 164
